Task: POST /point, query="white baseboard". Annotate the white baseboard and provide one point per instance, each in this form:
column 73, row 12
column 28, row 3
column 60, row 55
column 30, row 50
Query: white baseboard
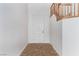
column 59, row 53
column 22, row 49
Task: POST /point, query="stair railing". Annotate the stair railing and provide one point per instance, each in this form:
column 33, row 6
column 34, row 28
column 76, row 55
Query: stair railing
column 64, row 10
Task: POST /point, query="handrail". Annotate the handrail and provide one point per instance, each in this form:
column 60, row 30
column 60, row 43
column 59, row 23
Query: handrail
column 64, row 10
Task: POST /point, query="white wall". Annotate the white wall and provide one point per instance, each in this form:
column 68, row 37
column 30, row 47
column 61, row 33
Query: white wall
column 38, row 31
column 13, row 28
column 56, row 34
column 70, row 37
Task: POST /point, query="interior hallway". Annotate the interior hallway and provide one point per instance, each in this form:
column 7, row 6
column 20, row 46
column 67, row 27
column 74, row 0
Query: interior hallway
column 22, row 24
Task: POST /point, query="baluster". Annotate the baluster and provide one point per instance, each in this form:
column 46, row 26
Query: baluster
column 59, row 10
column 52, row 9
column 67, row 10
column 62, row 10
column 78, row 9
column 74, row 9
column 71, row 10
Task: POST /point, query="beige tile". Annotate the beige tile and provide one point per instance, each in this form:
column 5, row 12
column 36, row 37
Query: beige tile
column 39, row 49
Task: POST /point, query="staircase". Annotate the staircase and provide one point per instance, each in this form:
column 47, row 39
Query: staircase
column 64, row 10
column 39, row 49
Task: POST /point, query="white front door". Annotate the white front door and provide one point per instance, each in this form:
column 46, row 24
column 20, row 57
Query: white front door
column 38, row 23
